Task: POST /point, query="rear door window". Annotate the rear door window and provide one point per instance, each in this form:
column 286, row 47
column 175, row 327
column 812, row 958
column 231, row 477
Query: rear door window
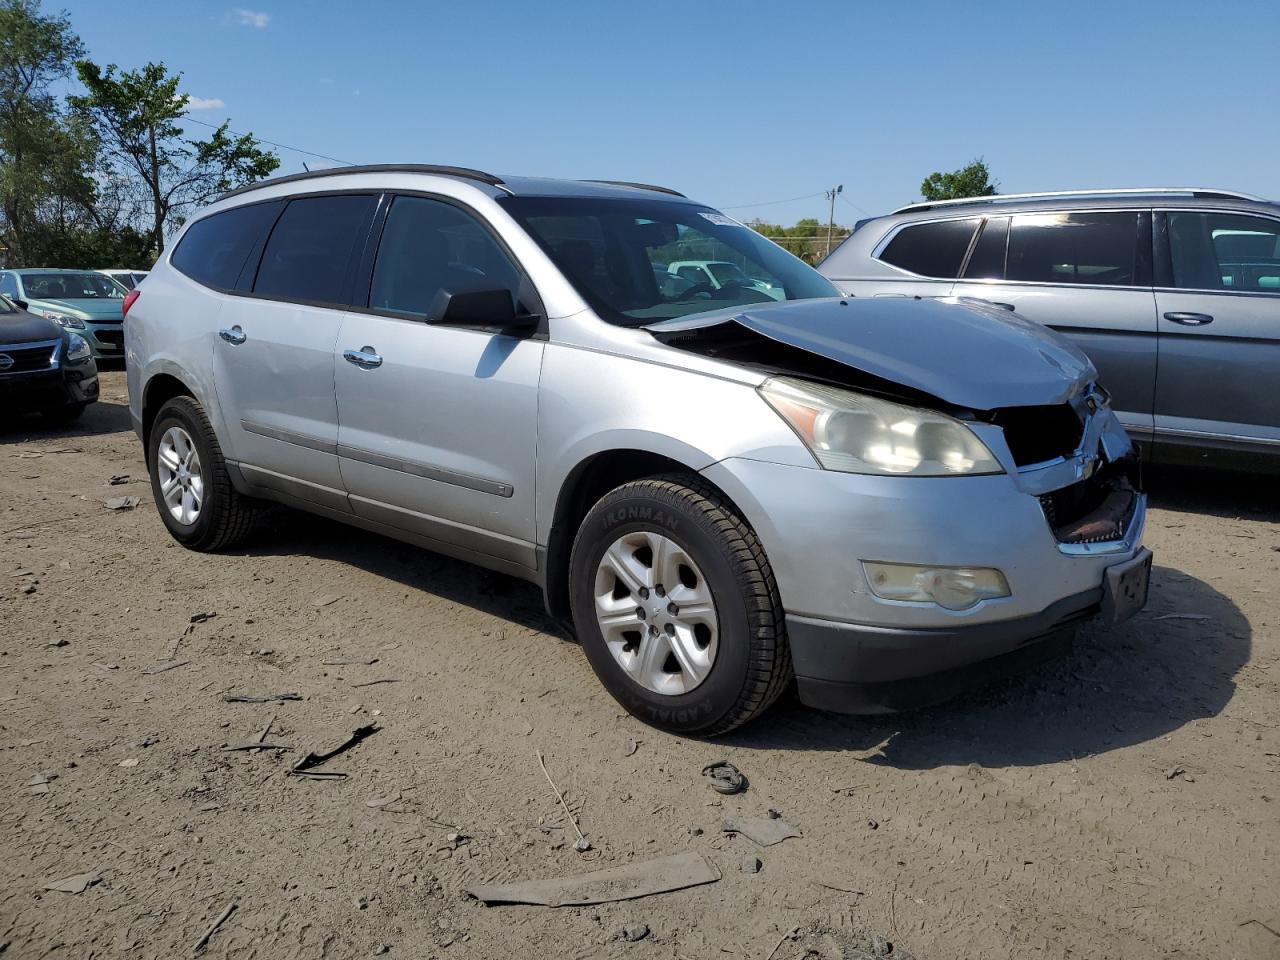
column 312, row 247
column 1084, row 248
column 214, row 249
column 931, row 249
column 1224, row 251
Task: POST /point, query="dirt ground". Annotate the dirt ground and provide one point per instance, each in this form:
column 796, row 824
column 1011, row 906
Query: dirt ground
column 1124, row 803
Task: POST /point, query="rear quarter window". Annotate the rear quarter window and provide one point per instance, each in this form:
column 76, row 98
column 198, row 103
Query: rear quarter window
column 931, row 249
column 213, row 251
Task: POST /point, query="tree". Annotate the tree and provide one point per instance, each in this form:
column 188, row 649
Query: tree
column 45, row 157
column 971, row 181
column 807, row 239
column 137, row 115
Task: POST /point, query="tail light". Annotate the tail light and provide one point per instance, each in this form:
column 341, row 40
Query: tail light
column 129, row 298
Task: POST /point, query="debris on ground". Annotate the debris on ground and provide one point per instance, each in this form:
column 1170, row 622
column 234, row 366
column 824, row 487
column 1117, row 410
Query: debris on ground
column 788, row 935
column 305, row 766
column 348, row 661
column 254, row 745
column 372, row 683
column 118, row 479
column 1174, row 772
column 326, row 600
column 761, row 830
column 724, row 778
column 57, row 642
column 123, row 503
column 130, row 762
column 29, row 588
column 629, row 882
column 162, row 667
column 752, row 864
column 266, row 698
column 76, row 883
column 839, row 888
column 202, row 616
column 582, row 845
column 213, row 928
column 633, row 932
column 630, row 747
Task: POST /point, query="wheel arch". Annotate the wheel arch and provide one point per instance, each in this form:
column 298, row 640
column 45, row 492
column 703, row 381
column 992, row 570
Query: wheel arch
column 583, row 487
column 159, row 390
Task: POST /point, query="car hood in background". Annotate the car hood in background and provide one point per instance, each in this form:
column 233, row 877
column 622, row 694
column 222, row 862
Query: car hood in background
column 963, row 352
column 23, row 327
column 102, row 309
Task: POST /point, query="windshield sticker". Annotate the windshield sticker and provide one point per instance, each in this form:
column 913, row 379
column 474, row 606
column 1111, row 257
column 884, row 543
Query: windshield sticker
column 720, row 220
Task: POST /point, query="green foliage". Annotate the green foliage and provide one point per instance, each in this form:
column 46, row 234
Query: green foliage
column 807, row 239
column 973, row 180
column 137, row 114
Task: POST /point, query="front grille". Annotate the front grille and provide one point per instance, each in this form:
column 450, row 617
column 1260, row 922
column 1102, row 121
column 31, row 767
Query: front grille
column 112, row 338
column 25, row 359
column 1096, row 510
column 1037, row 434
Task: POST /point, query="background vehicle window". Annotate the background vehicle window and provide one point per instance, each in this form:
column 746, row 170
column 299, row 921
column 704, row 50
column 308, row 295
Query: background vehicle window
column 931, row 249
column 311, row 248
column 1224, row 251
column 213, row 250
column 429, row 246
column 987, row 260
column 72, row 286
column 1095, row 248
column 8, row 284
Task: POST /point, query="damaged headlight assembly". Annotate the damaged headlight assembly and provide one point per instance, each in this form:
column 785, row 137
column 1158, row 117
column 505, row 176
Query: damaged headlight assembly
column 856, row 433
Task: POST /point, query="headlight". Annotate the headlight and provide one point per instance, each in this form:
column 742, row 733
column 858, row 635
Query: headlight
column 955, row 588
column 856, row 433
column 71, row 323
column 77, row 348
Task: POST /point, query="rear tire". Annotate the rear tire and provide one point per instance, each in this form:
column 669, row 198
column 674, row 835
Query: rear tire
column 190, row 482
column 713, row 670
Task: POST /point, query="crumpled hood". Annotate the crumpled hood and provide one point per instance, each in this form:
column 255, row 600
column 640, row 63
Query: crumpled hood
column 961, row 351
column 22, row 327
column 98, row 309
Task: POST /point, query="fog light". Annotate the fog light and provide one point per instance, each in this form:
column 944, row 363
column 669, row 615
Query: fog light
column 955, row 588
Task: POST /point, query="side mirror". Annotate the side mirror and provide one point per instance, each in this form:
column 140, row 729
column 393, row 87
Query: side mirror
column 494, row 309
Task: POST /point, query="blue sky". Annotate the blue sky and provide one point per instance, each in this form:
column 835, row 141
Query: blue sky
column 735, row 103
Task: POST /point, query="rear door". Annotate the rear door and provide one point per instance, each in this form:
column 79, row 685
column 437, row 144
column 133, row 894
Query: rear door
column 439, row 424
column 1218, row 299
column 1086, row 274
column 273, row 358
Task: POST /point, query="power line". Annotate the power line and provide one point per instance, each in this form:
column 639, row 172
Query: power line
column 856, row 207
column 771, row 203
column 272, row 143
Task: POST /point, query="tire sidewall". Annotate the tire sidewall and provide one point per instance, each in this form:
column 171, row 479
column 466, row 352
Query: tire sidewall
column 626, row 511
column 177, row 414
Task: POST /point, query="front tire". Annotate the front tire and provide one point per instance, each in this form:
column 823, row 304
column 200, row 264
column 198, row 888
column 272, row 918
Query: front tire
column 190, row 483
column 677, row 607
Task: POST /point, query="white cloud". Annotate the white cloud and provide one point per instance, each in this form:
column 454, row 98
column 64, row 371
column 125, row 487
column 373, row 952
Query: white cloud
column 204, row 103
column 252, row 18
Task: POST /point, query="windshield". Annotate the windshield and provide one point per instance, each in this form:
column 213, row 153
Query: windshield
column 642, row 261
column 71, row 286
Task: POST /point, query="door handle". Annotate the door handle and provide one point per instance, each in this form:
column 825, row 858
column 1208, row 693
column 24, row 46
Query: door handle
column 1189, row 319
column 364, row 357
column 235, row 336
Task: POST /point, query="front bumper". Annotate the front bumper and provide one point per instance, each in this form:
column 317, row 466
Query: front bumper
column 47, row 390
column 106, row 340
column 856, row 652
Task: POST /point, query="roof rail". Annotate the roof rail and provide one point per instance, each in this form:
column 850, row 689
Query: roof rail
column 1198, row 192
column 465, row 173
column 639, row 186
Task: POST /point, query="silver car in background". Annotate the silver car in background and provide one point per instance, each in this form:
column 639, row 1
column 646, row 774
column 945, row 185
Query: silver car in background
column 716, row 490
column 1173, row 293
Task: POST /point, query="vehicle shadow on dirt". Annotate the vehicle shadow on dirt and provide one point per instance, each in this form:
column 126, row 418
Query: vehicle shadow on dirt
column 288, row 532
column 1134, row 683
column 1217, row 493
column 99, row 418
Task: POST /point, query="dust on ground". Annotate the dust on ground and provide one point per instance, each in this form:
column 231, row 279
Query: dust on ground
column 1124, row 803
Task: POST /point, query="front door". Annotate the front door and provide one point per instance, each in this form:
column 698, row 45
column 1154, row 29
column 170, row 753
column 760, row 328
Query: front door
column 1218, row 301
column 438, row 425
column 273, row 356
column 1087, row 275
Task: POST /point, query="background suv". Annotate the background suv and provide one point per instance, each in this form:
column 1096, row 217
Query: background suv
column 1173, row 293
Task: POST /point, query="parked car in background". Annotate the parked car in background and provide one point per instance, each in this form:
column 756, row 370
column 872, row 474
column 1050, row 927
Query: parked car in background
column 718, row 274
column 126, row 278
column 714, row 490
column 81, row 300
column 44, row 368
column 1173, row 293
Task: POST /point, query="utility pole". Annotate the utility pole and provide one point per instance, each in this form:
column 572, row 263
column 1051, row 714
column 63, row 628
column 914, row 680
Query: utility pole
column 831, row 220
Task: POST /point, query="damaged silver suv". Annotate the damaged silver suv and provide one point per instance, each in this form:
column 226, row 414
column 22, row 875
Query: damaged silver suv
column 719, row 487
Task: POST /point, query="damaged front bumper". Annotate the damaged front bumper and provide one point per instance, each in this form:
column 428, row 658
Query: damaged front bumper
column 856, row 652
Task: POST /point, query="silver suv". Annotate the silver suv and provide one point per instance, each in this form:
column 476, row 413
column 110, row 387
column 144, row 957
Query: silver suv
column 716, row 490
column 1173, row 293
